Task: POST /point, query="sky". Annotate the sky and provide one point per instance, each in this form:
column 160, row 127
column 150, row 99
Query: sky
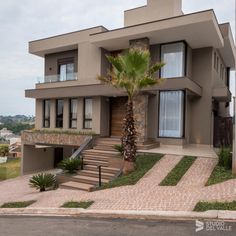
column 22, row 21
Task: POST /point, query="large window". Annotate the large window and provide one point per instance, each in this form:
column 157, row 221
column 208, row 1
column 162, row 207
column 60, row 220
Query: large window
column 59, row 113
column 171, row 114
column 173, row 55
column 66, row 69
column 73, row 113
column 88, row 107
column 46, row 113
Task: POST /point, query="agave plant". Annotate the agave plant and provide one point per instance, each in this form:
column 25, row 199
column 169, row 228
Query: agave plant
column 131, row 71
column 42, row 181
column 70, row 165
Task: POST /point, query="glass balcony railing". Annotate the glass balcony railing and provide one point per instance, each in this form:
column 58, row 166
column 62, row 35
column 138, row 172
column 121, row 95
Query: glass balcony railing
column 57, row 78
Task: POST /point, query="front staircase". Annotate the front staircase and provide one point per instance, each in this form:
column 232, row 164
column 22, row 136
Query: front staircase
column 88, row 178
column 100, row 155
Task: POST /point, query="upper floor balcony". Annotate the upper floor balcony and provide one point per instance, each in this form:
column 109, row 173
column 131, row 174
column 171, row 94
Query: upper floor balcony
column 58, row 78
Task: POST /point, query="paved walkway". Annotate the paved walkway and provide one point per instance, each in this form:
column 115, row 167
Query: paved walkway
column 145, row 195
column 187, row 150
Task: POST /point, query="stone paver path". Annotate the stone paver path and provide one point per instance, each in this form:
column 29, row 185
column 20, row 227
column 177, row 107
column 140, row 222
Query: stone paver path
column 198, row 173
column 145, row 195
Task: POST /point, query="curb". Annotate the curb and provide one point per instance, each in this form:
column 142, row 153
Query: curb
column 150, row 215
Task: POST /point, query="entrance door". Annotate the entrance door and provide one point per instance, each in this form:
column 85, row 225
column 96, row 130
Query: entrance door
column 58, row 156
column 118, row 109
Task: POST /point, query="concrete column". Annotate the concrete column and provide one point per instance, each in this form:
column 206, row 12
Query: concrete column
column 52, row 114
column 66, row 111
column 38, row 114
column 96, row 117
column 80, row 112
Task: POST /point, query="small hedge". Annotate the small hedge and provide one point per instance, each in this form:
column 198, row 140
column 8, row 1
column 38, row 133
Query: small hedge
column 73, row 204
column 225, row 158
column 17, row 204
column 70, row 165
column 206, row 206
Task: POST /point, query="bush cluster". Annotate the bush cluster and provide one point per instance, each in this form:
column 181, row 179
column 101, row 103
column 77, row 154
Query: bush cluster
column 70, row 165
column 225, row 158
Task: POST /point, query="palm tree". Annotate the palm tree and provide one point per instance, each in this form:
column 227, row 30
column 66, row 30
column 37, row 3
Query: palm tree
column 131, row 71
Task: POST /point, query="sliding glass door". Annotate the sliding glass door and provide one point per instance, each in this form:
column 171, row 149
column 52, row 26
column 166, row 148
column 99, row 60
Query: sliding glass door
column 171, row 114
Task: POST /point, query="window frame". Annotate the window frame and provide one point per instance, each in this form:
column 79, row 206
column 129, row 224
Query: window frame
column 71, row 119
column 46, row 119
column 86, row 119
column 185, row 57
column 58, row 118
column 184, row 114
column 65, row 61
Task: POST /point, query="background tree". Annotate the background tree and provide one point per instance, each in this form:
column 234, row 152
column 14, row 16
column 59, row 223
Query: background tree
column 131, row 71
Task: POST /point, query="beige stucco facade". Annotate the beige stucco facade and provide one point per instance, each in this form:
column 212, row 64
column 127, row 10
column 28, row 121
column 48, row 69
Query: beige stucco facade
column 205, row 84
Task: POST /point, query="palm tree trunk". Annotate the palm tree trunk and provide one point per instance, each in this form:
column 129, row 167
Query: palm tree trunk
column 129, row 139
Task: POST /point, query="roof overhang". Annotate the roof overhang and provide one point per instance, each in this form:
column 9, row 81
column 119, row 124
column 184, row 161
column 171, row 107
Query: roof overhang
column 109, row 91
column 199, row 30
column 228, row 51
column 63, row 42
column 221, row 94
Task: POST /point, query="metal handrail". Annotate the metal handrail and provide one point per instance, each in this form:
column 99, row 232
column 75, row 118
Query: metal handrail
column 100, row 175
column 77, row 153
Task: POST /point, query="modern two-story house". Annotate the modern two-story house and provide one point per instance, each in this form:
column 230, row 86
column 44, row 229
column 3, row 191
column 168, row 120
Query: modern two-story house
column 199, row 54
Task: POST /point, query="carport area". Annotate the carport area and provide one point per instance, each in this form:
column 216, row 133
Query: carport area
column 37, row 158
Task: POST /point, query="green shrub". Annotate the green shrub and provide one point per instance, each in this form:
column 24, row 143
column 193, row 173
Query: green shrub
column 119, row 148
column 70, row 165
column 225, row 158
column 43, row 181
column 4, row 150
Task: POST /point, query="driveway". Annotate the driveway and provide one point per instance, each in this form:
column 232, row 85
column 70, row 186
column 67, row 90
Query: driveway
column 145, row 195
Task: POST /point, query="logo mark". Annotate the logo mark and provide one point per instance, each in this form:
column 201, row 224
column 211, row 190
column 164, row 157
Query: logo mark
column 199, row 225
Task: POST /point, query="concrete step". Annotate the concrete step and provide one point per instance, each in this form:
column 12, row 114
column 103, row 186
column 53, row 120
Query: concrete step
column 100, row 152
column 104, row 169
column 88, row 180
column 109, row 139
column 95, row 163
column 77, row 186
column 148, row 146
column 104, row 148
column 95, row 157
column 110, row 143
column 95, row 174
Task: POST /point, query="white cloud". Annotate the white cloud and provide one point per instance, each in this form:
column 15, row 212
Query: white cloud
column 26, row 20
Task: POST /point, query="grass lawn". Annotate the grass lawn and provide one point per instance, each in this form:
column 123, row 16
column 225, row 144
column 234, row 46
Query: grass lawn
column 17, row 204
column 178, row 171
column 9, row 170
column 219, row 174
column 205, row 206
column 72, row 204
column 143, row 164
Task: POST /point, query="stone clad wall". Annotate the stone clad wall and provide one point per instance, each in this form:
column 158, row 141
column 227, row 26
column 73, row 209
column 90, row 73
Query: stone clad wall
column 33, row 138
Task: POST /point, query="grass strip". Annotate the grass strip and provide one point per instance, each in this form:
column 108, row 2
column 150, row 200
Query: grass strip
column 219, row 175
column 73, row 204
column 143, row 164
column 206, row 206
column 178, row 171
column 17, row 204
